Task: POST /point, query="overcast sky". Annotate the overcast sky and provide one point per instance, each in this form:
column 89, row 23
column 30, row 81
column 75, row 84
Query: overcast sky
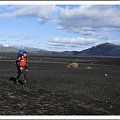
column 59, row 27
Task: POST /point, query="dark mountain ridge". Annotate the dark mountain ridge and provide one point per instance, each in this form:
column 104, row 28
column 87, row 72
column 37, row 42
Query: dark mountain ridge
column 105, row 49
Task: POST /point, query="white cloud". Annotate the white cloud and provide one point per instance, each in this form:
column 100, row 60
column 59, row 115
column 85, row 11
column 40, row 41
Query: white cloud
column 77, row 40
column 84, row 19
column 18, row 39
column 117, row 42
column 77, row 43
column 89, row 19
column 42, row 12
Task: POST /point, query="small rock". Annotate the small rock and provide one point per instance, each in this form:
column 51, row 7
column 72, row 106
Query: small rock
column 105, row 75
column 111, row 106
column 106, row 101
column 73, row 65
column 89, row 67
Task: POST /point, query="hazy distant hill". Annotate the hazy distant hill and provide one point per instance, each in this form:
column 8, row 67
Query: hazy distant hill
column 105, row 49
column 8, row 48
column 4, row 48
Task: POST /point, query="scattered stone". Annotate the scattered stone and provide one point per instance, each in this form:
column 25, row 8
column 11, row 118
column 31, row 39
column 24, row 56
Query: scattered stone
column 106, row 101
column 89, row 67
column 111, row 106
column 73, row 65
column 105, row 75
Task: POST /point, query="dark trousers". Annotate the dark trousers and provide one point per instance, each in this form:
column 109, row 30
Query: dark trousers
column 22, row 74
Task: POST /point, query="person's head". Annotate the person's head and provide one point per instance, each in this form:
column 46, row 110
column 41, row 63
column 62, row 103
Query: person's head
column 25, row 54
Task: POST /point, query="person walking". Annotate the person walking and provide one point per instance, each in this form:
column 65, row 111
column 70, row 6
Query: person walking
column 22, row 66
column 20, row 53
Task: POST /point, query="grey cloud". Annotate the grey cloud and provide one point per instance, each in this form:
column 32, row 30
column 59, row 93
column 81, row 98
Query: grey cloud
column 117, row 42
column 21, row 37
column 93, row 17
column 84, row 19
column 42, row 12
column 71, row 43
column 77, row 40
column 3, row 40
column 96, row 20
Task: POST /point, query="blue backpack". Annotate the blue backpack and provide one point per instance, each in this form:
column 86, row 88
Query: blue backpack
column 20, row 52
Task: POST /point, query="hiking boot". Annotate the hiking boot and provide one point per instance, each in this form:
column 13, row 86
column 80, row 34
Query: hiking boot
column 17, row 82
column 24, row 81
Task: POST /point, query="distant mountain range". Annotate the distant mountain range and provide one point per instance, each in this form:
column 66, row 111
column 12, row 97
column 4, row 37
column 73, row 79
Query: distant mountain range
column 6, row 48
column 105, row 49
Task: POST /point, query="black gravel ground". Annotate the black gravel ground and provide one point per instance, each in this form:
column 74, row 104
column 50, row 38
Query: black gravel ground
column 54, row 89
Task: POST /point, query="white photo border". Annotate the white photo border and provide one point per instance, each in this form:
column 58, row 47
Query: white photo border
column 59, row 117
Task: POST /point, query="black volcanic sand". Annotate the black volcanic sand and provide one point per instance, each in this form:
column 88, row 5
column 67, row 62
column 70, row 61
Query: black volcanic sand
column 55, row 89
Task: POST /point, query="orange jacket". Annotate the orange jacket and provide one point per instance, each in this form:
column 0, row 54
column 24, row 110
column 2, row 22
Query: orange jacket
column 22, row 61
